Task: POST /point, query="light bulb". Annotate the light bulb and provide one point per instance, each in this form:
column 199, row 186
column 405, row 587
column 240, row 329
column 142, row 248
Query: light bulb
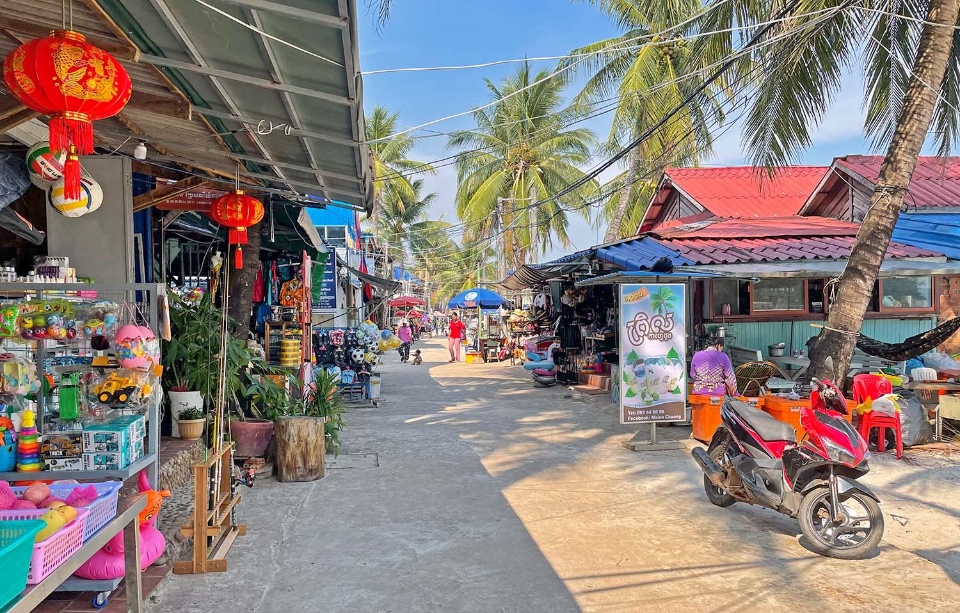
column 140, row 152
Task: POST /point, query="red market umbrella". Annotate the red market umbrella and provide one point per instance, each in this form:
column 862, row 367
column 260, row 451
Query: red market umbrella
column 406, row 301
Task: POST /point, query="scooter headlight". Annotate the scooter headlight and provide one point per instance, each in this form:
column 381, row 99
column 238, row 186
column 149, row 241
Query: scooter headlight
column 837, row 453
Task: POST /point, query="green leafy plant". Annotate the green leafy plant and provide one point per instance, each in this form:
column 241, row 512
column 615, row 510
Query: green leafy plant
column 271, row 401
column 321, row 399
column 191, row 414
column 191, row 357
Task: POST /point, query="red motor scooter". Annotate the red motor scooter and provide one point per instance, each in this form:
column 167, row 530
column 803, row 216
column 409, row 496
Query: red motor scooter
column 754, row 458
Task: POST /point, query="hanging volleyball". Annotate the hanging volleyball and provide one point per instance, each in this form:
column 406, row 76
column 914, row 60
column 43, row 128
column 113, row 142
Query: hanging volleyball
column 91, row 197
column 44, row 165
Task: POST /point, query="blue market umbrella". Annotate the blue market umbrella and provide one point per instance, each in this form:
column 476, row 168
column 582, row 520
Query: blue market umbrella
column 477, row 297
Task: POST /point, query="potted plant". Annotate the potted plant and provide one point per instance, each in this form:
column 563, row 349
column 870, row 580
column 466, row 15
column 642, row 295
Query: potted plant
column 302, row 435
column 192, row 421
column 268, row 402
column 191, row 358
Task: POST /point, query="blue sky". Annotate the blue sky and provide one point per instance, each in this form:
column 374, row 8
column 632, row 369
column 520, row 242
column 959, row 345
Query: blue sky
column 456, row 32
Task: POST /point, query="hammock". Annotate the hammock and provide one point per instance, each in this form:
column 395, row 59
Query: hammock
column 912, row 347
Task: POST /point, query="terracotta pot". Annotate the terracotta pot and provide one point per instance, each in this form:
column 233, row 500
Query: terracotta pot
column 252, row 436
column 191, row 429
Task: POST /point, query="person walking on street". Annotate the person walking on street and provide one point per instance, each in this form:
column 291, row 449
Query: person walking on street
column 457, row 332
column 406, row 337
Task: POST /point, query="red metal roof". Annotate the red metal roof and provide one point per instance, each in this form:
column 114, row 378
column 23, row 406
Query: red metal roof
column 771, row 240
column 935, row 182
column 739, row 191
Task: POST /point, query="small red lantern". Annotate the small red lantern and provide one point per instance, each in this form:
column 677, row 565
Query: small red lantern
column 238, row 212
column 73, row 82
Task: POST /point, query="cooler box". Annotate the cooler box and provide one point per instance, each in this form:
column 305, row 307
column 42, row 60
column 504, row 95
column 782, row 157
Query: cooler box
column 705, row 414
column 788, row 410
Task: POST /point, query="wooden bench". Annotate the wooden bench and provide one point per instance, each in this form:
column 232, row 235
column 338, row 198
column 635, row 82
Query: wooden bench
column 861, row 362
column 741, row 355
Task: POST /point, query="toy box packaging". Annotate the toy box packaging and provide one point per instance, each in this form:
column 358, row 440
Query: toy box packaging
column 114, row 436
column 61, row 445
column 63, row 463
column 105, row 461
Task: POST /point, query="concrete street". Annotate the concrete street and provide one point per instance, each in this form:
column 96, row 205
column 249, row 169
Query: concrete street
column 470, row 490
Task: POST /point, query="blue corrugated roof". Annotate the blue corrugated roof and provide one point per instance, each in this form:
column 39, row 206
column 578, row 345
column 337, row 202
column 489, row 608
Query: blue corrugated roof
column 566, row 258
column 640, row 254
column 938, row 232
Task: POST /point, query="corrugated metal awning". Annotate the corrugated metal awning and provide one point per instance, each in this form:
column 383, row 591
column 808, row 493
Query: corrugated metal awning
column 816, row 269
column 626, row 276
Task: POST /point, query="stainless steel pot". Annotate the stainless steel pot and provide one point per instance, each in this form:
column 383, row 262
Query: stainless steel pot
column 776, row 351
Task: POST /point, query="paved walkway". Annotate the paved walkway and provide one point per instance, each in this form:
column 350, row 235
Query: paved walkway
column 469, row 490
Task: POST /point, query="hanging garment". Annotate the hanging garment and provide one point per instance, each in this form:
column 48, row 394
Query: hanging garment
column 291, row 294
column 259, row 291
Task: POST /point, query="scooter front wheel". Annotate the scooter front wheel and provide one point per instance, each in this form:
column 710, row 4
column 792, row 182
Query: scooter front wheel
column 853, row 537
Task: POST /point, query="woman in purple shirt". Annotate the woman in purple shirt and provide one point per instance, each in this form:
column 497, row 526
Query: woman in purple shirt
column 712, row 371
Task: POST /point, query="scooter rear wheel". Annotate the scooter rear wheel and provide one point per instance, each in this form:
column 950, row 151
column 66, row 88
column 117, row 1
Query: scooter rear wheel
column 852, row 539
column 717, row 495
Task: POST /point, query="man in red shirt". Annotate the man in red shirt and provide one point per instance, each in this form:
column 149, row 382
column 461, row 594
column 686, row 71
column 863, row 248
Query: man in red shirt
column 457, row 332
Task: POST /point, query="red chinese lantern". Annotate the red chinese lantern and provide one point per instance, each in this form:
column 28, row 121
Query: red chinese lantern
column 238, row 212
column 73, row 82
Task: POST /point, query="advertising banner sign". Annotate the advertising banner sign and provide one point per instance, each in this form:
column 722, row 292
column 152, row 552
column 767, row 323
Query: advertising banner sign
column 324, row 285
column 653, row 385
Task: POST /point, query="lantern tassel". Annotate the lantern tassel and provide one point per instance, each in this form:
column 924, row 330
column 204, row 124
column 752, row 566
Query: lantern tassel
column 71, row 177
column 74, row 130
column 238, row 258
column 237, row 236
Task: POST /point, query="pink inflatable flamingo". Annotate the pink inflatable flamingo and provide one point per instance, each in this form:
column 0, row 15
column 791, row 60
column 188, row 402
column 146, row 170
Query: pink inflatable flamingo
column 108, row 562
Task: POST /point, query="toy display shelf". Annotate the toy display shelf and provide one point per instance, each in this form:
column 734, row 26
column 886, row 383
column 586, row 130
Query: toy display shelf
column 142, row 294
column 125, row 520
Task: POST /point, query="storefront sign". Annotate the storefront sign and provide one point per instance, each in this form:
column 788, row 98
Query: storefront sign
column 325, row 285
column 653, row 381
column 195, row 200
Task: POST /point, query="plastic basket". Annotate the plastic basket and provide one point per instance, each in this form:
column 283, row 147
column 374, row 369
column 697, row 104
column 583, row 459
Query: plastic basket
column 16, row 548
column 101, row 510
column 48, row 555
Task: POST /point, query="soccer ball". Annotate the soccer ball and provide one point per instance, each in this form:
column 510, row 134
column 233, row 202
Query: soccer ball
column 357, row 355
column 91, row 197
column 43, row 165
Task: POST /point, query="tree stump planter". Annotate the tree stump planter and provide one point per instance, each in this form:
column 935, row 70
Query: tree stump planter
column 301, row 445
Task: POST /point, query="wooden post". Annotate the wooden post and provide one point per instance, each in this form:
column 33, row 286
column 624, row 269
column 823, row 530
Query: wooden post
column 301, row 446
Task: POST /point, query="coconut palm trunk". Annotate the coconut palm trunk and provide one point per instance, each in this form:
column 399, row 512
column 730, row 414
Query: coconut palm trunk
column 532, row 220
column 855, row 286
column 613, row 232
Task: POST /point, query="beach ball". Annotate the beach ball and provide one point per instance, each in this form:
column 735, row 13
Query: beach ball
column 91, row 197
column 386, row 334
column 131, row 347
column 43, row 165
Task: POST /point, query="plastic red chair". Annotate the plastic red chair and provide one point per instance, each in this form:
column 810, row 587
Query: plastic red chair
column 870, row 386
column 881, row 421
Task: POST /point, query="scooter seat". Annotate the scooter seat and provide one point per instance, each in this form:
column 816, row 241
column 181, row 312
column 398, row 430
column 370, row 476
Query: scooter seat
column 768, row 427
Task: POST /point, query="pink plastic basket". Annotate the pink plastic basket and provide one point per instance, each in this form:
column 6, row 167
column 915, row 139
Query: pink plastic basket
column 100, row 511
column 48, row 555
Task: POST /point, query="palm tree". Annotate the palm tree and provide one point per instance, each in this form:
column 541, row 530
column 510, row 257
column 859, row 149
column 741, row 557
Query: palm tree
column 910, row 56
column 392, row 167
column 648, row 76
column 464, row 267
column 519, row 155
column 403, row 220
